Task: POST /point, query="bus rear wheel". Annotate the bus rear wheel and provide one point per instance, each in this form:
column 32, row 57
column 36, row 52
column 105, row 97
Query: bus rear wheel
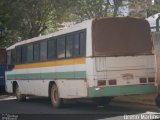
column 56, row 101
column 18, row 94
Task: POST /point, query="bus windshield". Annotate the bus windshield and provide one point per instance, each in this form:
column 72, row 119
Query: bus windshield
column 121, row 37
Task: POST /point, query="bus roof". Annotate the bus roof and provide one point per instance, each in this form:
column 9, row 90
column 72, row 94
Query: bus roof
column 76, row 27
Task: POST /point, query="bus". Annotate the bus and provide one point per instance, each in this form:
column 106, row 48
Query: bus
column 97, row 59
column 2, row 69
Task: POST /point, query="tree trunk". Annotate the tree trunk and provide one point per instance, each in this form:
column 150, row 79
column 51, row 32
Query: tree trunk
column 117, row 3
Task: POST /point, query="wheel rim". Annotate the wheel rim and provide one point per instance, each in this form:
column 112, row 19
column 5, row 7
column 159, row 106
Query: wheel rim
column 55, row 96
column 18, row 93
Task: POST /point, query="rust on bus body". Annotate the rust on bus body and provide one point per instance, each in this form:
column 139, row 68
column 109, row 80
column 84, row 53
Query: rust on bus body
column 121, row 36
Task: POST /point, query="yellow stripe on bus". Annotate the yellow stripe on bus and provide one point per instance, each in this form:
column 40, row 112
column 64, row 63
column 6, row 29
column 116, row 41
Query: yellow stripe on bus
column 51, row 63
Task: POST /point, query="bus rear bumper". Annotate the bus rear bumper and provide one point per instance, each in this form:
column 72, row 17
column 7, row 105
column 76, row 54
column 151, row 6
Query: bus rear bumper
column 121, row 90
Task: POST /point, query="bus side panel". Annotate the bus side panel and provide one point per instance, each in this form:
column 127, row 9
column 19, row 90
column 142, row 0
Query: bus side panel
column 9, row 81
column 22, row 80
column 72, row 88
column 69, row 76
column 37, row 87
column 30, row 81
column 90, row 72
column 73, row 82
column 8, row 86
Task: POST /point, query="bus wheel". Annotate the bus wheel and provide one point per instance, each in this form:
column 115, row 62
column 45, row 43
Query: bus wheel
column 57, row 102
column 104, row 101
column 18, row 94
column 157, row 100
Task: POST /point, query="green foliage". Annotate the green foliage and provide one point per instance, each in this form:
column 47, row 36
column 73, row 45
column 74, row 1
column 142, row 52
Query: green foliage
column 31, row 18
column 154, row 8
column 87, row 9
column 144, row 8
column 138, row 8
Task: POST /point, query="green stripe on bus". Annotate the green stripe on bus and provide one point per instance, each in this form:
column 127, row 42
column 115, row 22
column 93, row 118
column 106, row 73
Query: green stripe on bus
column 30, row 76
column 122, row 90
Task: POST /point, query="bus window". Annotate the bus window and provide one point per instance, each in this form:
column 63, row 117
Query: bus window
column 8, row 57
column 69, row 46
column 43, row 50
column 76, row 45
column 13, row 57
column 30, row 53
column 18, row 54
column 36, row 52
column 24, row 55
column 61, row 47
column 82, row 44
column 51, row 49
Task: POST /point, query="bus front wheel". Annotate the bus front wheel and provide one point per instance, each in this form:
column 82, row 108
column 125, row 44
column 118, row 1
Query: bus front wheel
column 57, row 102
column 18, row 94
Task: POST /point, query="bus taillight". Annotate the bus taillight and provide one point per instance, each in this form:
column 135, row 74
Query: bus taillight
column 151, row 80
column 112, row 82
column 143, row 80
column 101, row 82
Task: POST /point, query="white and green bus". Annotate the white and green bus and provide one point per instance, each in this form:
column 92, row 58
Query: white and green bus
column 100, row 59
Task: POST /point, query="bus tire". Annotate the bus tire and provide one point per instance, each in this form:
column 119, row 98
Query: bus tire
column 56, row 101
column 157, row 100
column 104, row 101
column 18, row 94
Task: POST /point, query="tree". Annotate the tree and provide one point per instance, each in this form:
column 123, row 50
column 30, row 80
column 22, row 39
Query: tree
column 143, row 8
column 117, row 4
column 6, row 16
column 154, row 8
column 87, row 9
column 30, row 18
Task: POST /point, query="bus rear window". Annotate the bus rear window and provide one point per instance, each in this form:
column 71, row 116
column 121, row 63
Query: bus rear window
column 121, row 37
